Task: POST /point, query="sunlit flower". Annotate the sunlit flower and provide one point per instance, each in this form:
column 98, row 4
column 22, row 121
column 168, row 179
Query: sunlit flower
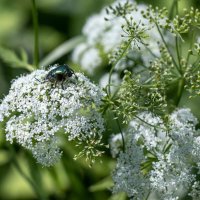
column 158, row 158
column 36, row 111
column 106, row 35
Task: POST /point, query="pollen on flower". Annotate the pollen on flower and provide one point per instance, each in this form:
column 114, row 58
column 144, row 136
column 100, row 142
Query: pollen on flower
column 36, row 110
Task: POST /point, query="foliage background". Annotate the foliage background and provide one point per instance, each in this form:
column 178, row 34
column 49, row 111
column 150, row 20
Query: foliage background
column 59, row 20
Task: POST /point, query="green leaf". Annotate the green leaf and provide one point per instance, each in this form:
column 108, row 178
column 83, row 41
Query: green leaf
column 118, row 196
column 23, row 55
column 4, row 157
column 13, row 60
column 61, row 50
column 102, row 185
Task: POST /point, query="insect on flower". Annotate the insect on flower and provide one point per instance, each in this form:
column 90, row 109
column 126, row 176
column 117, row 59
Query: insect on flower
column 59, row 73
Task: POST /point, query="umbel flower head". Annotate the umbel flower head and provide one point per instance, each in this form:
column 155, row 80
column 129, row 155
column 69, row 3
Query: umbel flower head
column 36, row 111
column 104, row 38
column 159, row 159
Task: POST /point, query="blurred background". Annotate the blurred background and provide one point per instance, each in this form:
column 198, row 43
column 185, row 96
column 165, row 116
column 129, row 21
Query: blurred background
column 59, row 21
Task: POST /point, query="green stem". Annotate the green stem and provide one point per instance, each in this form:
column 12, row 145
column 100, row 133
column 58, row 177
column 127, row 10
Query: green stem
column 118, row 124
column 191, row 44
column 147, row 197
column 166, row 46
column 36, row 40
column 114, row 64
column 172, row 9
column 29, row 67
column 178, row 50
column 151, row 52
column 117, row 60
column 178, row 54
column 34, row 185
column 180, row 91
column 195, row 65
column 176, row 1
column 154, row 126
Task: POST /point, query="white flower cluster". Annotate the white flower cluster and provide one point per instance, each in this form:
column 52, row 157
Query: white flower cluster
column 36, row 111
column 159, row 159
column 103, row 37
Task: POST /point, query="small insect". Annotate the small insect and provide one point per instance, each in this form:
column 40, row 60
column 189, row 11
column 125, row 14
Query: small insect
column 59, row 74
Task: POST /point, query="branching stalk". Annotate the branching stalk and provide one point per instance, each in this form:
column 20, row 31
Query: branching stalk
column 123, row 141
column 166, row 46
column 180, row 91
column 115, row 63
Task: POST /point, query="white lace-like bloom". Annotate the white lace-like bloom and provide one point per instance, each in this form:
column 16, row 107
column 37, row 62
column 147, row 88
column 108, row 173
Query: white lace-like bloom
column 95, row 28
column 79, row 51
column 90, row 60
column 160, row 159
column 128, row 176
column 47, row 152
column 105, row 37
column 36, row 112
column 116, row 145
